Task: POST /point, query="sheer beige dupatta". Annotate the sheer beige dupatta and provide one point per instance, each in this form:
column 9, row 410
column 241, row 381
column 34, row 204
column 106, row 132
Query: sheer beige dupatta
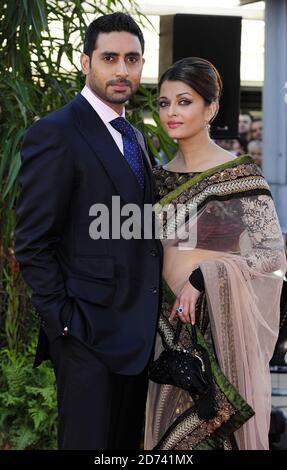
column 239, row 249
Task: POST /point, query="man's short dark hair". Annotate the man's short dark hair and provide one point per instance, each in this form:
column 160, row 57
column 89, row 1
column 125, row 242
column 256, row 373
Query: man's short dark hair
column 107, row 24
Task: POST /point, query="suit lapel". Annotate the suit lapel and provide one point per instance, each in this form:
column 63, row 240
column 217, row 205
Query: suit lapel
column 142, row 145
column 100, row 140
column 149, row 189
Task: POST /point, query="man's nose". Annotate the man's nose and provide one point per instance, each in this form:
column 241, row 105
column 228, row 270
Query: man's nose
column 122, row 70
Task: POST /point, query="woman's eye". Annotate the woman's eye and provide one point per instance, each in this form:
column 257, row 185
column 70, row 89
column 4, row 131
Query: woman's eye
column 163, row 104
column 185, row 102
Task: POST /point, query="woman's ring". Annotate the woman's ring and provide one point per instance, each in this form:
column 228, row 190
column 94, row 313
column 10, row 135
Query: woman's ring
column 180, row 310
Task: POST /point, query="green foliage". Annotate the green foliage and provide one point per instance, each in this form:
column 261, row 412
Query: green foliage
column 27, row 402
column 40, row 43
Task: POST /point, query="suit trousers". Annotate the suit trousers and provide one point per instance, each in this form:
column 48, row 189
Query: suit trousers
column 97, row 409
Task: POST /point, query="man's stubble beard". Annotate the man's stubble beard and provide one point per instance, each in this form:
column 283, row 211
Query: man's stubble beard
column 118, row 99
column 112, row 97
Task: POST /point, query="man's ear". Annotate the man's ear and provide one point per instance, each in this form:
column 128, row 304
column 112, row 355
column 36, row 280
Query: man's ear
column 85, row 63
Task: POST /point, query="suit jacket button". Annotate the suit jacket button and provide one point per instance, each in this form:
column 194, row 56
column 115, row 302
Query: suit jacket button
column 65, row 331
column 153, row 253
column 154, row 290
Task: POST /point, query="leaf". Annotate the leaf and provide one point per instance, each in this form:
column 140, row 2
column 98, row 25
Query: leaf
column 42, row 13
column 14, row 170
column 39, row 416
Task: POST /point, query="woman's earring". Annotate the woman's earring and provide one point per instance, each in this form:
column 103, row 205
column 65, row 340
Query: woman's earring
column 207, row 125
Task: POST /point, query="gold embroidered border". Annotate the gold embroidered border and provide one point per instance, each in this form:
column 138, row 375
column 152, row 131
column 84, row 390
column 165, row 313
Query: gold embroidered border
column 229, row 355
column 189, row 432
column 240, row 173
column 250, row 183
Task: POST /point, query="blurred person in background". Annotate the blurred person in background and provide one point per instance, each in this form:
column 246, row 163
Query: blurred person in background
column 254, row 148
column 256, row 129
column 237, row 148
column 244, row 128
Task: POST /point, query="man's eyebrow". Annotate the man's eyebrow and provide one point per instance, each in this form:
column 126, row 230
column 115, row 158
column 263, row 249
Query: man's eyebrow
column 116, row 54
column 133, row 53
column 109, row 53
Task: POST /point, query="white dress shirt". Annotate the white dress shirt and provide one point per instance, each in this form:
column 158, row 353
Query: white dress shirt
column 106, row 114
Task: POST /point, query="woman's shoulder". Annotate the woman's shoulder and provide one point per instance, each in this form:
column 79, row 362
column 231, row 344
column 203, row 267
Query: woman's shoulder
column 220, row 156
column 228, row 159
column 219, row 162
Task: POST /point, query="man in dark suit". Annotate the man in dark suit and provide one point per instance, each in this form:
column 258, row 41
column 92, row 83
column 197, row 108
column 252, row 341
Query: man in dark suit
column 97, row 296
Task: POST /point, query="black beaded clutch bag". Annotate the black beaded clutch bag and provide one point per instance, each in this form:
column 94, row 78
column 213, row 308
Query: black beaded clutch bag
column 189, row 369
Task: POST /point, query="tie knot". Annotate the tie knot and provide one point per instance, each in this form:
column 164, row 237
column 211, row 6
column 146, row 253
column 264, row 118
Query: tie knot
column 123, row 126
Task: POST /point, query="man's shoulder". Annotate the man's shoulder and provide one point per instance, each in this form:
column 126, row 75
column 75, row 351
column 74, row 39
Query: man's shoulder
column 54, row 123
column 61, row 115
column 56, row 120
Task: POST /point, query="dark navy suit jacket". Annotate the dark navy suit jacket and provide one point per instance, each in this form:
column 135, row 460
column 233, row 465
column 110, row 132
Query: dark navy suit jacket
column 107, row 291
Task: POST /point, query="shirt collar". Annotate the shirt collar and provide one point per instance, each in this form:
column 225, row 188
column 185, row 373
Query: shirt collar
column 105, row 112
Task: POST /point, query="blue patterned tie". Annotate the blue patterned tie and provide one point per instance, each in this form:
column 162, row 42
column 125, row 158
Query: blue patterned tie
column 132, row 150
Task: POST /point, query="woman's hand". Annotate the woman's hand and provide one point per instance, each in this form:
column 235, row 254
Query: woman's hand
column 185, row 302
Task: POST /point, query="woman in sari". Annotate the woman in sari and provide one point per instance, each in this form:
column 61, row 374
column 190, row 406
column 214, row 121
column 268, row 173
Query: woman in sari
column 223, row 268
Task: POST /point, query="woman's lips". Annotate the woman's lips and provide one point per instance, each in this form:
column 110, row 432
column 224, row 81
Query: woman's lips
column 173, row 124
